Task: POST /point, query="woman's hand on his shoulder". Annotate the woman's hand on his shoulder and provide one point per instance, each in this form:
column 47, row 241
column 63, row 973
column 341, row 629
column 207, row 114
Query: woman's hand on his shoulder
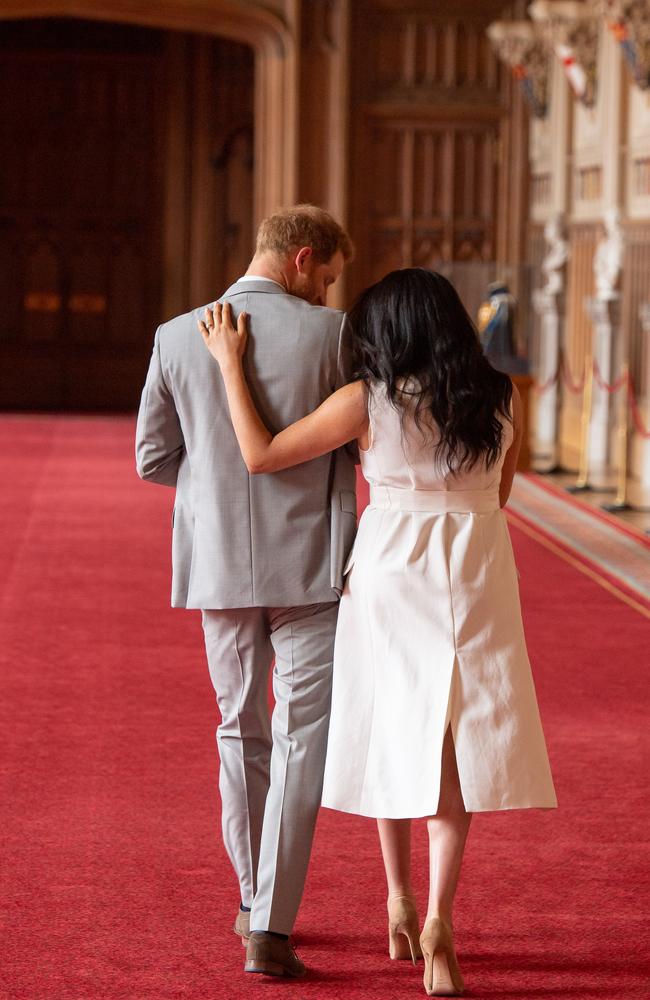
column 225, row 341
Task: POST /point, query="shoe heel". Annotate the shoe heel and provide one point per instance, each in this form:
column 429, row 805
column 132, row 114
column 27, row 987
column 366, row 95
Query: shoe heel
column 442, row 977
column 400, row 946
column 265, row 968
column 403, row 930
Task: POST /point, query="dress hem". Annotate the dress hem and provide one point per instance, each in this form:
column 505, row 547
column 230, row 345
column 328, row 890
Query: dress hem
column 423, row 815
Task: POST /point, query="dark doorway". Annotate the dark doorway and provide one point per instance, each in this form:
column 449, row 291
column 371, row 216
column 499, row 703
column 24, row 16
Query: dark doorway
column 126, row 196
column 80, row 211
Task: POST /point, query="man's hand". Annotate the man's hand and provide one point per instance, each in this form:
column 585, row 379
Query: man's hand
column 225, row 343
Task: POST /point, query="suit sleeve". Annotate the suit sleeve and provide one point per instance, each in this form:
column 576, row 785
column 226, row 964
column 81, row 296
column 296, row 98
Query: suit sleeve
column 159, row 443
column 344, row 369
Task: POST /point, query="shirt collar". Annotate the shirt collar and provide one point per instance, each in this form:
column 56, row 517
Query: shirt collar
column 258, row 277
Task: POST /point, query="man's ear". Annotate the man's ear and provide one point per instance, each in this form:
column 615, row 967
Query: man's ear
column 303, row 256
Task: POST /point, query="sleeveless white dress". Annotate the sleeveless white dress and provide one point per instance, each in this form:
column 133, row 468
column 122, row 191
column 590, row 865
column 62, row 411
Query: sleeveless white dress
column 429, row 636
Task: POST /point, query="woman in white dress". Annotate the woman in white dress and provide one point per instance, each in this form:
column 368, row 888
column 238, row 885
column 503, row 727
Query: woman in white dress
column 434, row 711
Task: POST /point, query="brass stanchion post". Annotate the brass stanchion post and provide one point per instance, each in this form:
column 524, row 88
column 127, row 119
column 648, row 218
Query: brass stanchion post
column 582, row 482
column 620, row 500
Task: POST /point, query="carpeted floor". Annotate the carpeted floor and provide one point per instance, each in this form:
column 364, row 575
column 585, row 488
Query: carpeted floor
column 114, row 883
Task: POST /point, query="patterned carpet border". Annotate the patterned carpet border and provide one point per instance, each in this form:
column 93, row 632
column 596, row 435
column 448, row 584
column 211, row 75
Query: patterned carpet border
column 618, row 552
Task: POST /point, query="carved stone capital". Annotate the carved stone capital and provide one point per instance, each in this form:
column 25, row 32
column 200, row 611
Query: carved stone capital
column 572, row 28
column 520, row 46
column 629, row 21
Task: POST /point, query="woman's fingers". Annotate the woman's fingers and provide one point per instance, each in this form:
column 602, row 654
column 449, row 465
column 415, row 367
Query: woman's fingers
column 220, row 335
column 221, row 316
column 225, row 323
column 226, row 318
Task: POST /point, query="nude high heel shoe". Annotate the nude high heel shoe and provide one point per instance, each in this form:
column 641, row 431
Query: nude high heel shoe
column 403, row 929
column 442, row 976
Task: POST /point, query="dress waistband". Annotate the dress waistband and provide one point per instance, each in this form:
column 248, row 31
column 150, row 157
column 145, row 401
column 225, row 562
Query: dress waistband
column 435, row 501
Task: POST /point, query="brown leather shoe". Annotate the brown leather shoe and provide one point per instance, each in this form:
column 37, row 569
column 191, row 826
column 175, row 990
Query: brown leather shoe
column 243, row 926
column 271, row 956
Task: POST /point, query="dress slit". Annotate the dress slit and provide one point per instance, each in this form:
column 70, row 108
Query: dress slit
column 449, row 728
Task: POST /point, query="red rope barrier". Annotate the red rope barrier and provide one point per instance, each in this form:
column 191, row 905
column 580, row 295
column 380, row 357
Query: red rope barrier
column 542, row 387
column 609, row 387
column 567, row 377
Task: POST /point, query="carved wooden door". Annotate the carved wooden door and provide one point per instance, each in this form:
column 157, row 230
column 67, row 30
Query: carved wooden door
column 80, row 223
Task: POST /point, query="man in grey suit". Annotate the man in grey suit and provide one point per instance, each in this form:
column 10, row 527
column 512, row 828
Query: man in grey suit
column 261, row 556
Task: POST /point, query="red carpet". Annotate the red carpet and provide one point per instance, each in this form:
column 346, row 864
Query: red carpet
column 114, row 883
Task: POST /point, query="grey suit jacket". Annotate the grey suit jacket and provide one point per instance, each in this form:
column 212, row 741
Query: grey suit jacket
column 239, row 540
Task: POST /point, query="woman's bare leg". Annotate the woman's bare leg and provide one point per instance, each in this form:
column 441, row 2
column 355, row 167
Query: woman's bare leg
column 448, row 831
column 403, row 924
column 395, row 839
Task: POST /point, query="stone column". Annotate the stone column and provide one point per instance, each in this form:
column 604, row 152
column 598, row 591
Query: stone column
column 546, row 432
column 640, row 445
column 549, row 305
column 604, row 315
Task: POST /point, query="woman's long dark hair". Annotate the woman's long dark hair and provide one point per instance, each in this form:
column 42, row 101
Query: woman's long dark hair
column 412, row 324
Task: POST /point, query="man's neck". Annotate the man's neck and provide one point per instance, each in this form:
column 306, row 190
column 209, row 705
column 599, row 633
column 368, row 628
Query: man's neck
column 263, row 267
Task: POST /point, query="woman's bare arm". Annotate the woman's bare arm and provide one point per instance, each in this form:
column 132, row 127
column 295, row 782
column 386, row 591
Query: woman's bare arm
column 341, row 418
column 510, row 462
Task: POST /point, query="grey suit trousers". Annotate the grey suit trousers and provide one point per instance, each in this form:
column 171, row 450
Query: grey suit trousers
column 271, row 772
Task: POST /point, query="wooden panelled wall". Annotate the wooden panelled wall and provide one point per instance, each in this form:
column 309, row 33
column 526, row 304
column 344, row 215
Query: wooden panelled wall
column 209, row 166
column 428, row 136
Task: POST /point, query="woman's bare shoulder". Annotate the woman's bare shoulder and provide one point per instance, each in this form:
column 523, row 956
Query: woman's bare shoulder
column 353, row 394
